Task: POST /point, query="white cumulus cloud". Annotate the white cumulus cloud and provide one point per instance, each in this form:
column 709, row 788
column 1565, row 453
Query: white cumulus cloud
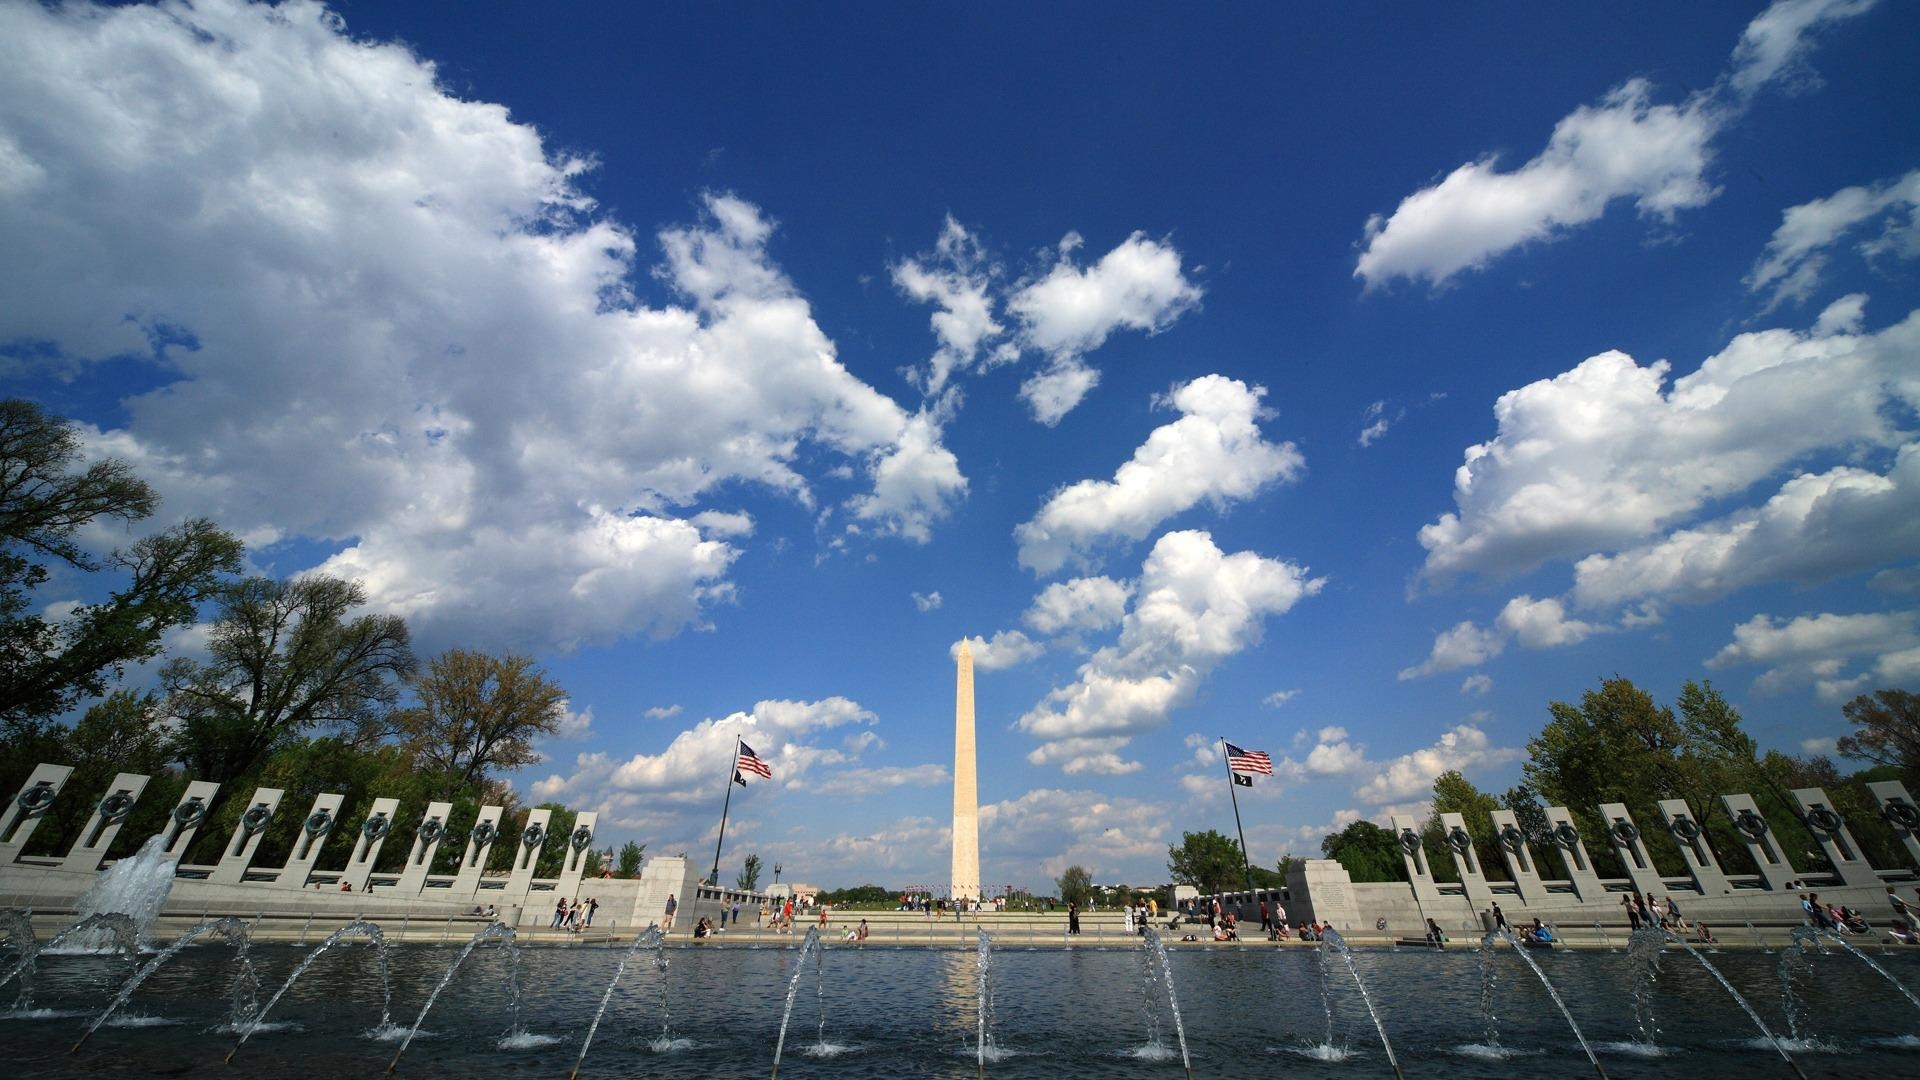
column 1082, row 605
column 445, row 367
column 1461, row 747
column 1820, row 651
column 1071, row 310
column 1607, row 454
column 1005, row 649
column 1625, row 148
column 1214, row 453
column 1194, row 606
column 1798, row 253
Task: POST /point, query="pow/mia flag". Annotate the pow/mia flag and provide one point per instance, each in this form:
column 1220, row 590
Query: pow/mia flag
column 1243, row 781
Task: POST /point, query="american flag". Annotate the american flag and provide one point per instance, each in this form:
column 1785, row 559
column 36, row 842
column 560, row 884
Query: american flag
column 750, row 762
column 1248, row 761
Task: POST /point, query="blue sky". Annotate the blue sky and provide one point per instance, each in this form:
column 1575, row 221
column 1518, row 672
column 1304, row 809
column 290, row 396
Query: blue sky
column 1351, row 383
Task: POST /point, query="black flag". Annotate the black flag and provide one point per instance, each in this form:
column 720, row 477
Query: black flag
column 738, row 779
column 1243, row 781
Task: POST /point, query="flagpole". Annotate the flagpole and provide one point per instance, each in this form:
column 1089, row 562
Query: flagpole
column 1246, row 867
column 724, row 803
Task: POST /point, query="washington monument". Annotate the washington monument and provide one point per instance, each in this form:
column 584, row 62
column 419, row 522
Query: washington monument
column 966, row 793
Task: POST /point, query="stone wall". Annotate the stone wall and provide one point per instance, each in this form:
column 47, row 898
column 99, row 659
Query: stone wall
column 236, row 883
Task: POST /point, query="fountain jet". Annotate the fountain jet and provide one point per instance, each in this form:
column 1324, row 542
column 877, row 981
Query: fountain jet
column 497, row 931
column 651, row 938
column 244, row 983
column 356, row 928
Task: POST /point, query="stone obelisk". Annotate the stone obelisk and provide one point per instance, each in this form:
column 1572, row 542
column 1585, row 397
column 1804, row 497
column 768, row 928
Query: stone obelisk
column 966, row 793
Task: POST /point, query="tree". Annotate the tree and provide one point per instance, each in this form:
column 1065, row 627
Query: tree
column 630, row 853
column 284, row 659
column 477, row 713
column 47, row 666
column 1453, row 793
column 1618, row 745
column 749, row 877
column 1887, row 725
column 1207, row 861
column 1076, row 885
column 1369, row 852
column 122, row 733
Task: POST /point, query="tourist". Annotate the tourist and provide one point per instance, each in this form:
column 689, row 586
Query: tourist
column 1435, row 936
column 1703, row 935
column 1499, row 918
column 673, row 905
column 1673, row 912
column 736, row 914
column 593, row 905
column 559, row 914
column 1266, row 919
column 1633, row 916
column 1126, row 915
column 1233, row 927
column 1539, row 933
column 1073, row 918
column 861, row 934
column 702, row 928
column 825, row 909
column 1903, row 923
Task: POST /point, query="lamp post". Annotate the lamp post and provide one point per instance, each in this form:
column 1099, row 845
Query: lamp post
column 776, row 873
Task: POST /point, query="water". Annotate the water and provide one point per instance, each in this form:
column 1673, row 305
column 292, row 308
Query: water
column 808, row 947
column 1330, row 939
column 18, row 924
column 650, row 939
column 1161, row 969
column 136, row 886
column 1841, row 941
column 356, row 928
column 1558, row 1001
column 983, row 1008
column 82, row 938
column 500, row 932
column 243, row 992
column 1744, row 1004
column 911, row 1012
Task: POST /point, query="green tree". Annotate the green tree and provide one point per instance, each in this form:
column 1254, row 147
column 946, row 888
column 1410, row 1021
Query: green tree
column 1886, row 730
column 122, row 733
column 1207, row 861
column 49, row 665
column 749, row 877
column 1453, row 793
column 630, row 854
column 1619, row 745
column 1369, row 852
column 1076, row 885
column 284, row 659
column 476, row 714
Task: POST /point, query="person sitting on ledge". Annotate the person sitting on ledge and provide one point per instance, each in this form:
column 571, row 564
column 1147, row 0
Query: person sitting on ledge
column 702, row 928
column 1539, row 934
column 1224, row 932
column 1703, row 935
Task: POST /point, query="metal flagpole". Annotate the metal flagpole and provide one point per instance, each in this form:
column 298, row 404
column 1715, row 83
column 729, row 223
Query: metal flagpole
column 1245, row 866
column 722, row 838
